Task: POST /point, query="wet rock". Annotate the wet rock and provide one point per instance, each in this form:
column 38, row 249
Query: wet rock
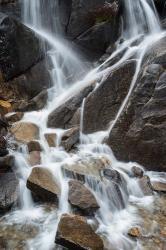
column 159, row 186
column 111, row 92
column 36, row 103
column 134, row 232
column 34, row 158
column 60, row 117
column 51, row 139
column 145, row 185
column 82, row 198
column 137, row 172
column 9, row 188
column 25, row 132
column 27, row 47
column 5, row 107
column 112, row 175
column 14, row 117
column 90, row 166
column 6, row 163
column 34, row 146
column 3, row 146
column 42, row 184
column 70, row 138
column 74, row 233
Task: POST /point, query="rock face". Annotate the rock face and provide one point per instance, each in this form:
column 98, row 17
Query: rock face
column 9, row 188
column 74, row 233
column 139, row 135
column 111, row 93
column 42, row 184
column 25, row 132
column 81, row 198
column 61, row 116
column 27, row 49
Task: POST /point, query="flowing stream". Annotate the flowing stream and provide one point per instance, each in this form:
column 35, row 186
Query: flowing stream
column 117, row 213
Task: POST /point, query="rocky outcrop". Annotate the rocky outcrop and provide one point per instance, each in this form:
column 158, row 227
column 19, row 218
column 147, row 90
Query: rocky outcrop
column 74, row 233
column 81, row 198
column 25, row 132
column 43, row 185
column 60, row 117
column 111, row 92
column 139, row 134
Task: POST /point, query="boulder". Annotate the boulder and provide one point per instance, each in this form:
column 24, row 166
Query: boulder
column 74, row 233
column 139, row 134
column 82, row 198
column 6, row 163
column 135, row 232
column 137, row 172
column 42, row 184
column 51, row 139
column 70, row 138
column 111, row 93
column 27, row 48
column 3, row 146
column 11, row 8
column 34, row 146
column 25, row 132
column 61, row 116
column 159, row 186
column 34, row 158
column 89, row 166
column 9, row 189
column 145, row 185
column 14, row 117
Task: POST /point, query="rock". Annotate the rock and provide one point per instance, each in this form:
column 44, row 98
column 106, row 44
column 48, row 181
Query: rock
column 27, row 47
column 74, row 233
column 14, row 117
column 134, row 232
column 25, row 132
column 60, row 117
column 70, row 138
column 3, row 146
column 137, row 172
column 83, row 167
column 159, row 186
column 6, row 163
column 11, row 8
column 43, row 184
column 139, row 134
column 51, row 139
column 36, row 103
column 145, row 185
column 34, row 146
column 34, row 158
column 82, row 198
column 112, row 175
column 111, row 92
column 5, row 107
column 9, row 188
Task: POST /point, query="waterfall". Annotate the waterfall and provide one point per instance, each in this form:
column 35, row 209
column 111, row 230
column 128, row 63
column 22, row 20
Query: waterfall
column 42, row 16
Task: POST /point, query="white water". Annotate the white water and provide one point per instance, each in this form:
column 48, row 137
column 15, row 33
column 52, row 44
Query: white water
column 114, row 216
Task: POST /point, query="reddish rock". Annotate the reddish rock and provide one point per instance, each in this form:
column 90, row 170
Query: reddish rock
column 34, row 146
column 34, row 158
column 51, row 139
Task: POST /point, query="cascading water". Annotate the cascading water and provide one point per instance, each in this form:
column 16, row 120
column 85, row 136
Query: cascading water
column 116, row 214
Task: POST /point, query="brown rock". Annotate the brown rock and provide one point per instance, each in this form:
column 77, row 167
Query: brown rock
column 74, row 233
column 34, row 146
column 145, row 185
column 43, row 184
column 134, row 232
column 137, row 172
column 14, row 117
column 5, row 107
column 25, row 132
column 51, row 139
column 70, row 138
column 82, row 198
column 159, row 186
column 34, row 158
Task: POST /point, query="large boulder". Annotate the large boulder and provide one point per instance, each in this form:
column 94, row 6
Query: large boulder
column 74, row 233
column 102, row 105
column 61, row 116
column 43, row 184
column 25, row 132
column 139, row 134
column 20, row 48
column 82, row 198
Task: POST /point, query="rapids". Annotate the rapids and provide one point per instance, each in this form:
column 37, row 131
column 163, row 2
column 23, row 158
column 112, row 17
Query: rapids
column 140, row 20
